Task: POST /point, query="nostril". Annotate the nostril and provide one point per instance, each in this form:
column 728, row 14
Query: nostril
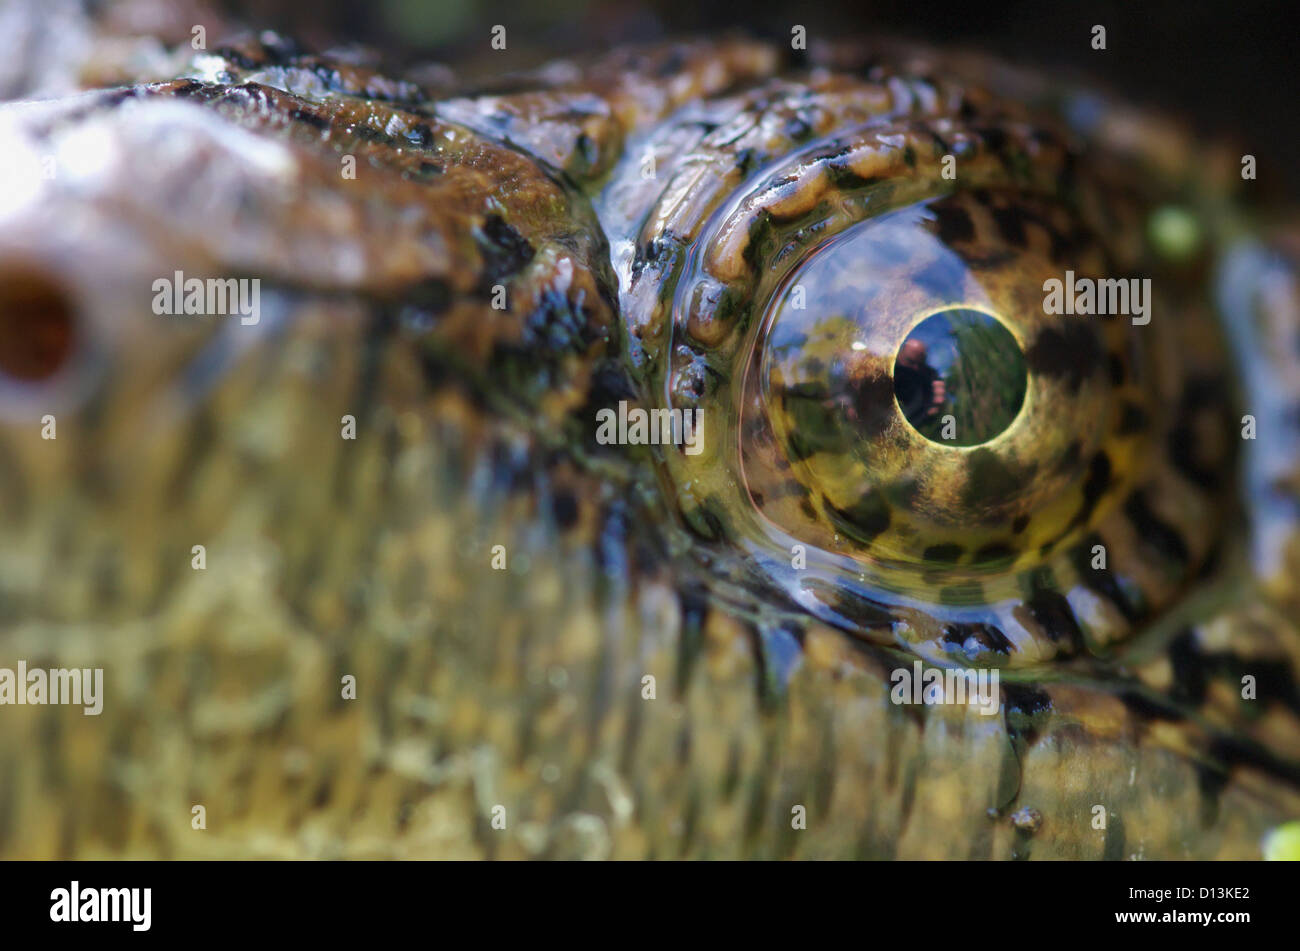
column 36, row 325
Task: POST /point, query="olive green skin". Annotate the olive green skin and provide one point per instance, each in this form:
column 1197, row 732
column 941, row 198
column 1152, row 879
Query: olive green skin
column 506, row 712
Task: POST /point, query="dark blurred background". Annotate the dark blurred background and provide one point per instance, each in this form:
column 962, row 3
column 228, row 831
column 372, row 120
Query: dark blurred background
column 1224, row 65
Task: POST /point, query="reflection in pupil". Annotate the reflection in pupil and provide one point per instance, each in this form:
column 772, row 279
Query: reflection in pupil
column 917, row 385
column 960, row 377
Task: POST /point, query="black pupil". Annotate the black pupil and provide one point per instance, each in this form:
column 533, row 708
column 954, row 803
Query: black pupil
column 960, row 377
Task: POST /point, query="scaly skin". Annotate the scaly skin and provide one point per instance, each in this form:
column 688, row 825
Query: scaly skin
column 655, row 283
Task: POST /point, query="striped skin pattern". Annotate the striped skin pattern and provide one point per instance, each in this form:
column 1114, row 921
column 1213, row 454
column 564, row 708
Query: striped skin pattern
column 648, row 213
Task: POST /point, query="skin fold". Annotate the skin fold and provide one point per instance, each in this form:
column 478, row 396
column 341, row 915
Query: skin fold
column 499, row 584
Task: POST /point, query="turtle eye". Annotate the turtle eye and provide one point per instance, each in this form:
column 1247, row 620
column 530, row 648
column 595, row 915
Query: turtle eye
column 915, row 432
column 908, row 378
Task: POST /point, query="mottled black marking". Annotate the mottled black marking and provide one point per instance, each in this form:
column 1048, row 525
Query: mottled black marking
column 873, row 398
column 1226, row 753
column 994, row 551
column 947, row 554
column 1052, row 612
column 846, row 179
column 953, row 222
column 1132, row 419
column 988, row 259
column 863, row 520
column 990, row 480
column 505, row 251
column 611, row 382
column 1094, row 486
column 709, row 519
column 1070, row 353
column 1102, row 581
column 1154, row 533
column 1065, row 247
column 903, row 493
column 1200, row 396
column 1194, row 668
column 1011, row 221
column 995, row 137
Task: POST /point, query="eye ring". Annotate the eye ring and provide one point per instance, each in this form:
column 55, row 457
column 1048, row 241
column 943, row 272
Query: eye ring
column 873, row 527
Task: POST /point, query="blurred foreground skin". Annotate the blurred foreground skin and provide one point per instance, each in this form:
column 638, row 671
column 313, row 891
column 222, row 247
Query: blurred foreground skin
column 432, row 616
